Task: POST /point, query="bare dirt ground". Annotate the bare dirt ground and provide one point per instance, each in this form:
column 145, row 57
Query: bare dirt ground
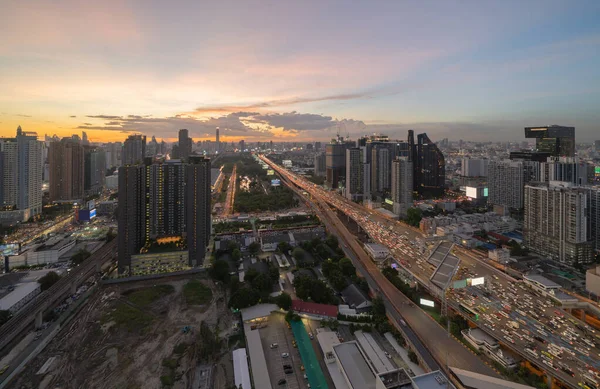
column 98, row 349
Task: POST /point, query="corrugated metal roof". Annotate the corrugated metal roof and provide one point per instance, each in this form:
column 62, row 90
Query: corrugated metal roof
column 241, row 372
column 17, row 295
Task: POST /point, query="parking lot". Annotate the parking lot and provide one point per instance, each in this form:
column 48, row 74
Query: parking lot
column 277, row 332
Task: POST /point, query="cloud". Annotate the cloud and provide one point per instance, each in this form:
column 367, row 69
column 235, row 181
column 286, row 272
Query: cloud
column 23, row 116
column 87, row 124
column 72, row 116
column 296, row 121
column 109, row 117
column 278, row 103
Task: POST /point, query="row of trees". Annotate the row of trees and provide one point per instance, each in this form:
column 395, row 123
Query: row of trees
column 256, row 200
column 312, row 289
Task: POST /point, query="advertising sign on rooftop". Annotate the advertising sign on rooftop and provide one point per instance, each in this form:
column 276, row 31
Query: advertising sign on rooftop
column 9, row 249
column 270, row 172
column 427, row 303
column 477, row 281
column 275, row 182
column 388, row 201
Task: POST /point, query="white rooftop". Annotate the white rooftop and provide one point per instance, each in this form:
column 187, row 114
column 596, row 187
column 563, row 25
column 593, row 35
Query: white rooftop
column 355, row 366
column 258, row 311
column 17, row 295
column 480, row 381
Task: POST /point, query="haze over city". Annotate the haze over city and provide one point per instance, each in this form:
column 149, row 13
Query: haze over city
column 298, row 70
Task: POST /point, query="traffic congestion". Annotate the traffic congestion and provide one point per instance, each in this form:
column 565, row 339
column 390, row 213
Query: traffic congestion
column 513, row 313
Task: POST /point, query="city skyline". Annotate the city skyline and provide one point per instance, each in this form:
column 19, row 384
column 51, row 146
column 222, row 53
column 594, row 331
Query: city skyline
column 476, row 71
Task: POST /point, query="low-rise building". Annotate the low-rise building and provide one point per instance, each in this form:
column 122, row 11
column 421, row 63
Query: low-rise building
column 21, row 295
column 500, row 255
column 592, row 280
column 356, row 299
column 489, row 346
column 377, row 251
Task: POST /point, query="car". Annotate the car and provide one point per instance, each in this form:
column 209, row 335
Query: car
column 388, row 355
column 287, row 366
column 285, row 355
column 288, row 371
column 282, row 381
column 274, row 345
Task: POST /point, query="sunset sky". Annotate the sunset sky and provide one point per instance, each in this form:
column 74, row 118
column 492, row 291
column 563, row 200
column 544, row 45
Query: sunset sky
column 285, row 70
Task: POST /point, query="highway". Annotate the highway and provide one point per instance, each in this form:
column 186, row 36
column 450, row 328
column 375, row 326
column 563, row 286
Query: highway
column 431, row 340
column 408, row 248
column 42, row 302
column 230, row 196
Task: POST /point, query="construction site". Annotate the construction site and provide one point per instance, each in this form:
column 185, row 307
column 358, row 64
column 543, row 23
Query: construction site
column 170, row 333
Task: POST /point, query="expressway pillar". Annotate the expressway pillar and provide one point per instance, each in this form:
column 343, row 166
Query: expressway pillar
column 549, row 380
column 98, row 267
column 73, row 288
column 38, row 320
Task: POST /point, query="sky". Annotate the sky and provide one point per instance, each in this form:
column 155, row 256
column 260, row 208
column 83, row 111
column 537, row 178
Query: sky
column 299, row 70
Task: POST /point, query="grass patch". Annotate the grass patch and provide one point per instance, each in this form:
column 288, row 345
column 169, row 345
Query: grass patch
column 129, row 317
column 196, row 293
column 167, row 380
column 170, row 363
column 147, row 296
column 180, row 348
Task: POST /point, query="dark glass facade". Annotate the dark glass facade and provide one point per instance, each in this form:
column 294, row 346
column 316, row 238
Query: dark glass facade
column 559, row 141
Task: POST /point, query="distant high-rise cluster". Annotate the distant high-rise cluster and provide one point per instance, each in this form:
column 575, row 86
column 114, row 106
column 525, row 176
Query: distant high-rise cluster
column 134, row 150
column 21, row 177
column 67, row 175
column 183, row 149
column 164, row 199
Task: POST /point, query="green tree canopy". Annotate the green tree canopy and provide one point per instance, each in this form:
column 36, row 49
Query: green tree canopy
column 220, row 271
column 236, row 254
column 347, row 267
column 413, row 216
column 284, row 301
column 48, row 280
column 254, row 248
column 244, row 297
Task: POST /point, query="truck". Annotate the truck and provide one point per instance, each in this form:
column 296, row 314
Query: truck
column 513, row 324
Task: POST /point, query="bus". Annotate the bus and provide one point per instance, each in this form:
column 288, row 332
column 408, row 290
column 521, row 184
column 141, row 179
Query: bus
column 470, row 312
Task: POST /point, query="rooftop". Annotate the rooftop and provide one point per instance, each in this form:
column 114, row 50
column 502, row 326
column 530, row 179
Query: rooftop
column 258, row 311
column 17, row 295
column 314, row 308
column 542, row 280
column 354, row 296
column 480, row 381
column 355, row 366
column 433, row 380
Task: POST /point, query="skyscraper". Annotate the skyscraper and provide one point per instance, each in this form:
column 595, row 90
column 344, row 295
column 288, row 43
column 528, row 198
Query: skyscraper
column 402, row 185
column 474, row 167
column 429, row 165
column 566, row 169
column 505, row 183
column 381, row 168
column 556, row 222
column 67, row 176
column 134, row 150
column 185, row 144
column 559, row 141
column 354, row 174
column 171, row 198
column 94, row 170
column 21, row 174
column 84, row 138
column 319, row 165
column 335, row 163
column 218, row 141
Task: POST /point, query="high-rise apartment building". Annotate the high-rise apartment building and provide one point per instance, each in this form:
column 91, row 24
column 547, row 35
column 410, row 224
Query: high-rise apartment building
column 381, row 169
column 134, row 150
column 335, row 163
column 505, row 183
column 471, row 167
column 354, row 174
column 429, row 165
column 559, row 141
column 556, row 222
column 320, row 165
column 566, row 169
column 185, row 145
column 170, row 198
column 67, row 170
column 21, row 175
column 113, row 152
column 402, row 185
column 94, row 170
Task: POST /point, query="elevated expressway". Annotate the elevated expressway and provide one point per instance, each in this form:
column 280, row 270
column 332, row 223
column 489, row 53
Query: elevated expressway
column 326, row 199
column 430, row 340
column 34, row 310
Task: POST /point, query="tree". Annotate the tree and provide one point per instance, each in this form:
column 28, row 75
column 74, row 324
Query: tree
column 80, row 256
column 413, row 357
column 284, row 301
column 332, row 241
column 48, row 280
column 347, row 267
column 254, row 248
column 220, row 271
column 378, row 308
column 283, row 247
column 250, row 275
column 338, row 281
column 274, row 273
column 236, row 254
column 232, row 245
column 244, row 297
column 299, row 254
column 413, row 216
column 262, row 283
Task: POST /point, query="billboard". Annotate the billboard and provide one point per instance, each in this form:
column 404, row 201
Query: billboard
column 9, row 249
column 92, row 213
column 270, row 172
column 471, row 192
column 275, row 182
column 477, row 281
column 485, row 192
column 427, row 303
column 388, row 201
column 459, row 284
column 394, row 265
